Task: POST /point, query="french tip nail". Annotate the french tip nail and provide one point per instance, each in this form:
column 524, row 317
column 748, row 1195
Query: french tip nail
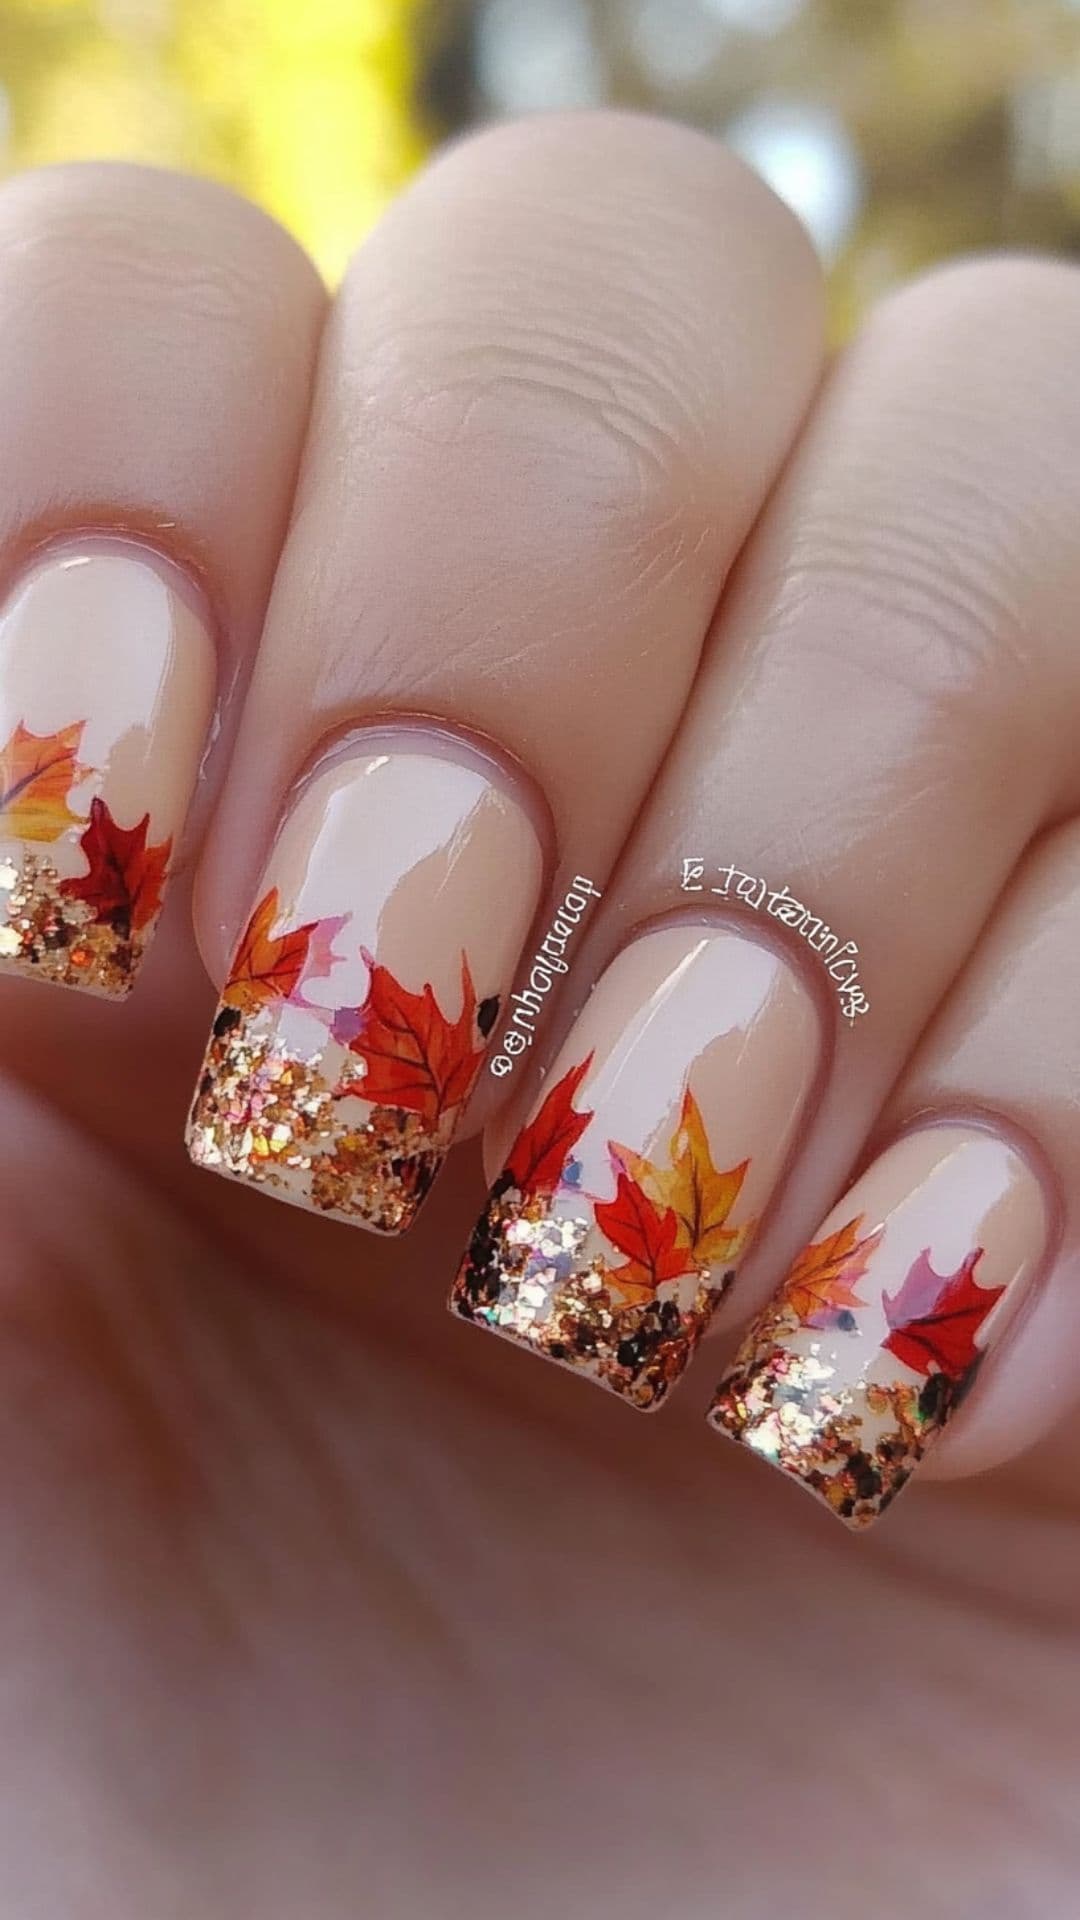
column 634, row 1189
column 362, row 995
column 853, row 1371
column 99, row 751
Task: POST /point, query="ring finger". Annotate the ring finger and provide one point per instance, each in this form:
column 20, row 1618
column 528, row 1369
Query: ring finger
column 899, row 623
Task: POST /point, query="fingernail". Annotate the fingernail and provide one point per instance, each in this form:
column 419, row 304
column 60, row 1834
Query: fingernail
column 107, row 676
column 634, row 1189
column 848, row 1377
column 355, row 1020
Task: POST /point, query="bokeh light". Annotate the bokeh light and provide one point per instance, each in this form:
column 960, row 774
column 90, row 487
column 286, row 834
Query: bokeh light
column 533, row 58
column 809, row 159
column 675, row 40
column 901, row 131
column 306, row 105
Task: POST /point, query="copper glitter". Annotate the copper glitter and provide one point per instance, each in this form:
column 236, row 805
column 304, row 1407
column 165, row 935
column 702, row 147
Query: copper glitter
column 48, row 935
column 265, row 1114
column 526, row 1276
column 855, row 1446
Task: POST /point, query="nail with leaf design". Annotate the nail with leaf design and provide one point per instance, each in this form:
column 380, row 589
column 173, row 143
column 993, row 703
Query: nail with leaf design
column 850, row 1375
column 632, row 1193
column 355, row 1019
column 107, row 673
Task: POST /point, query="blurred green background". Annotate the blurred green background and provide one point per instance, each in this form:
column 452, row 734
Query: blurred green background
column 900, row 130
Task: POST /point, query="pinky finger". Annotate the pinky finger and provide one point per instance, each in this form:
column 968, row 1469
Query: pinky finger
column 958, row 1244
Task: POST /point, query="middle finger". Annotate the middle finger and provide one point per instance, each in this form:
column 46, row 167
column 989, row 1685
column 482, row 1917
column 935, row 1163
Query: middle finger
column 546, row 413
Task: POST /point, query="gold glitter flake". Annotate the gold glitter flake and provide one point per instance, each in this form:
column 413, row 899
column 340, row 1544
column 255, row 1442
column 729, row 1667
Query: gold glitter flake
column 265, row 1114
column 47, row 935
column 855, row 1447
column 526, row 1276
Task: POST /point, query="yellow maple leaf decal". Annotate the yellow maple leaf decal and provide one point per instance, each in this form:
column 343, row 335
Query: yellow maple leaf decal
column 267, row 965
column 821, row 1284
column 700, row 1194
column 37, row 772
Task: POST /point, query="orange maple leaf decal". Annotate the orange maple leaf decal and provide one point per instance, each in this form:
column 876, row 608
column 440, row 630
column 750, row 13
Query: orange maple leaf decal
column 267, row 965
column 542, row 1148
column 647, row 1234
column 699, row 1193
column 934, row 1317
column 37, row 772
column 123, row 886
column 820, row 1287
column 414, row 1056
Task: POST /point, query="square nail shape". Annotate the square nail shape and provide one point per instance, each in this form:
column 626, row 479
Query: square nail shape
column 363, row 993
column 850, row 1375
column 107, row 675
column 634, row 1189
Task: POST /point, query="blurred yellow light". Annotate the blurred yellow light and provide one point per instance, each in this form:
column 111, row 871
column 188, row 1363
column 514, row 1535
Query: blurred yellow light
column 304, row 105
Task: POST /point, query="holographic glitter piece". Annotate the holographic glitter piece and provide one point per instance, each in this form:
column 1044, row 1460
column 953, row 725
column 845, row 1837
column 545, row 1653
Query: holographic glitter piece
column 622, row 1289
column 320, row 1125
column 852, row 1437
column 265, row 1115
column 528, row 1276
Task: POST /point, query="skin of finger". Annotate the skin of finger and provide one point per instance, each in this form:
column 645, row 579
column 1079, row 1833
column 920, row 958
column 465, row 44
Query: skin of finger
column 896, row 632
column 175, row 409
column 556, row 384
column 157, row 340
column 1007, row 1042
column 405, row 1578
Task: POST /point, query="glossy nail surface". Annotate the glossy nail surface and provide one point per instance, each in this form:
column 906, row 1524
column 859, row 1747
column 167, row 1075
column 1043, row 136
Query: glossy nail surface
column 635, row 1186
column 107, row 676
column 356, row 1017
column 849, row 1376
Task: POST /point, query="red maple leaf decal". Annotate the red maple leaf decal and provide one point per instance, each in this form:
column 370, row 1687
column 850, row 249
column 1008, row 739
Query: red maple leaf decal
column 647, row 1234
column 542, row 1148
column 935, row 1317
column 414, row 1056
column 123, row 886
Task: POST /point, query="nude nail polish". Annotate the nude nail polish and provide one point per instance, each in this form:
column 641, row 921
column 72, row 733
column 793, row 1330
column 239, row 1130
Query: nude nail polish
column 850, row 1375
column 107, row 677
column 355, row 1020
column 635, row 1187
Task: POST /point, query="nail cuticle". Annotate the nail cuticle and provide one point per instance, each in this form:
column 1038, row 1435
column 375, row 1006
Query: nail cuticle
column 433, row 734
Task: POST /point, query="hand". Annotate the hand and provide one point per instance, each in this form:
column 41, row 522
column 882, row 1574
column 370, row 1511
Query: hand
column 317, row 1602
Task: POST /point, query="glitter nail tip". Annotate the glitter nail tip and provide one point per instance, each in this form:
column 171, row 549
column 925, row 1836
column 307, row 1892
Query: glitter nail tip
column 628, row 1200
column 106, row 684
column 298, row 1125
column 849, row 1376
column 363, row 993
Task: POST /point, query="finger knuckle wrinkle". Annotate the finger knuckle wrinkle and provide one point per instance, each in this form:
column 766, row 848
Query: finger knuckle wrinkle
column 917, row 602
column 580, row 433
column 100, row 233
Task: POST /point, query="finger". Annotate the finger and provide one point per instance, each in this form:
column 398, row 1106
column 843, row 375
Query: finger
column 156, row 339
column 547, row 412
column 928, row 1266
column 868, row 672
